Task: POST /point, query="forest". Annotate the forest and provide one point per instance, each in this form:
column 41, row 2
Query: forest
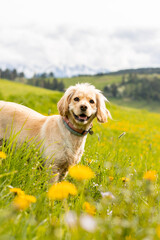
column 135, row 87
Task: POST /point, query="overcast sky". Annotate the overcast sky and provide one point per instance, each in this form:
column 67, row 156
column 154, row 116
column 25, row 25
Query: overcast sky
column 100, row 34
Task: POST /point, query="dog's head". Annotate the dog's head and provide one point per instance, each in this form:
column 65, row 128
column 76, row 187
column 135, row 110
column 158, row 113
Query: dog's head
column 83, row 103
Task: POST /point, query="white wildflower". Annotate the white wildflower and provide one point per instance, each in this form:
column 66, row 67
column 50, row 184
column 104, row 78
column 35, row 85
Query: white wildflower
column 88, row 223
column 71, row 219
column 107, row 195
column 95, row 184
column 109, row 212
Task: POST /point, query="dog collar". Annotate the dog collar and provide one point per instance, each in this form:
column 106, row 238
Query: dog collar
column 75, row 131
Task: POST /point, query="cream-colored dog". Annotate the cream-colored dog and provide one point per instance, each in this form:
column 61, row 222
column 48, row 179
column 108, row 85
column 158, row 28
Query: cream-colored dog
column 63, row 135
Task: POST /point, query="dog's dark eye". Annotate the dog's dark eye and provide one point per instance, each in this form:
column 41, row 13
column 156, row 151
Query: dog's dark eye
column 76, row 99
column 91, row 101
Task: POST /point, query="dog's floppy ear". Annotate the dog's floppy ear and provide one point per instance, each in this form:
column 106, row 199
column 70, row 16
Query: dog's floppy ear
column 102, row 112
column 63, row 104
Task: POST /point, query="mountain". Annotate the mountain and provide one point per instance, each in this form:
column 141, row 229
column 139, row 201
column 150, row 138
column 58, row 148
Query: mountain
column 59, row 71
column 71, row 71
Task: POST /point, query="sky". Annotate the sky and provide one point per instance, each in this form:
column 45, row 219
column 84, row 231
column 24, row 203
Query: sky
column 100, row 35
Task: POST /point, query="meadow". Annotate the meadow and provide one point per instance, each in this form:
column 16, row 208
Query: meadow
column 101, row 81
column 119, row 200
column 98, row 81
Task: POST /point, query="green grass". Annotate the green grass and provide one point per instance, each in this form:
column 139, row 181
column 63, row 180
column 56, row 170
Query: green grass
column 152, row 106
column 39, row 99
column 98, row 81
column 135, row 211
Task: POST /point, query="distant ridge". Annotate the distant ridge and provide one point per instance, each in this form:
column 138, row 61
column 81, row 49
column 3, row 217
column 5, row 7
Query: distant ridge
column 128, row 71
column 75, row 71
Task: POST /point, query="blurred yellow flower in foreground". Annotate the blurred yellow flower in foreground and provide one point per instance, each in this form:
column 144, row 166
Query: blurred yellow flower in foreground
column 17, row 191
column 111, row 178
column 81, row 172
column 90, row 209
column 125, row 179
column 61, row 190
column 150, row 175
column 158, row 230
column 22, row 202
column 129, row 238
column 3, row 155
column 30, row 198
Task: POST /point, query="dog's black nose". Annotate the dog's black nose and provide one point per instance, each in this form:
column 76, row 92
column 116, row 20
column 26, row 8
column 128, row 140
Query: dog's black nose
column 83, row 108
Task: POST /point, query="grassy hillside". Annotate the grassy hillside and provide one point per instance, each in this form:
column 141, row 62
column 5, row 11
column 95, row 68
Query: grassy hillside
column 37, row 98
column 151, row 106
column 101, row 81
column 98, row 81
column 130, row 208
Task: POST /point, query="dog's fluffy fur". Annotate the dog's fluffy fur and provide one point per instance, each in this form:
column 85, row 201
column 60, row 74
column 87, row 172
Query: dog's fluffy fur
column 80, row 104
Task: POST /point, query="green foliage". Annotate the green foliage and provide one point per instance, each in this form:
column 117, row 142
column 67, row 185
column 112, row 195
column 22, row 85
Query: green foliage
column 135, row 88
column 1, row 96
column 48, row 83
column 11, row 74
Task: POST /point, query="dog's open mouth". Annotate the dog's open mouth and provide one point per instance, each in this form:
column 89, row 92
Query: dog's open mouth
column 82, row 117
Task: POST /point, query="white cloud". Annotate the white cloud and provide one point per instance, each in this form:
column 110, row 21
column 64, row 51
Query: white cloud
column 101, row 34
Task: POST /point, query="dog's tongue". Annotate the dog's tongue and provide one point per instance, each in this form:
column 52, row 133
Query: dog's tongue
column 83, row 117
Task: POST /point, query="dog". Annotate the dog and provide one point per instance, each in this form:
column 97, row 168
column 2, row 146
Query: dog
column 63, row 135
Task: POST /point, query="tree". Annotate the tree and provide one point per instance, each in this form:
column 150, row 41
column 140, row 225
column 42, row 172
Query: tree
column 54, row 84
column 51, row 74
column 43, row 75
column 123, row 80
column 114, row 90
column 21, row 75
column 14, row 74
column 106, row 89
column 60, row 86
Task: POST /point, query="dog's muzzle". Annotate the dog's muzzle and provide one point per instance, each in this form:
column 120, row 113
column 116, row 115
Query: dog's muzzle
column 82, row 117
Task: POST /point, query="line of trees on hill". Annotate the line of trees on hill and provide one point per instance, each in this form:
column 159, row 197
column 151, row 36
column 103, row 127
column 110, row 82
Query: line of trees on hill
column 11, row 74
column 133, row 71
column 48, row 83
column 43, row 80
column 46, row 80
column 134, row 87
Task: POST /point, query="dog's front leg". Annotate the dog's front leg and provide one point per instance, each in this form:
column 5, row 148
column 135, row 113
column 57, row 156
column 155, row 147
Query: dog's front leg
column 59, row 172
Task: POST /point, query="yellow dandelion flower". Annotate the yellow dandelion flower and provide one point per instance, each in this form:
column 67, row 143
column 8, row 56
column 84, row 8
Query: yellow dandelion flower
column 125, row 179
column 129, row 238
column 3, row 155
column 158, row 230
column 71, row 188
column 17, row 191
column 61, row 190
column 30, row 198
column 90, row 209
column 111, row 178
column 89, row 160
column 150, row 175
column 21, row 202
column 81, row 172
